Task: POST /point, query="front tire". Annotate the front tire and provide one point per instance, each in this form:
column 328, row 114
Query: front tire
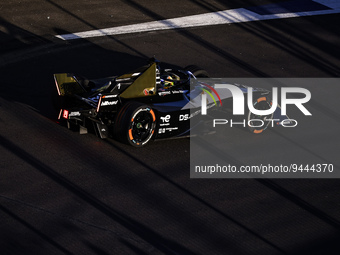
column 135, row 124
column 197, row 71
column 258, row 123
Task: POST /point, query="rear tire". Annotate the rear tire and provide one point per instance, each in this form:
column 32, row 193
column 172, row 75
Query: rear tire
column 135, row 124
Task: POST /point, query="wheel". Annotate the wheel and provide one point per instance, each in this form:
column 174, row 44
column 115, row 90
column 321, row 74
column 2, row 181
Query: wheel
column 258, row 123
column 135, row 124
column 197, row 71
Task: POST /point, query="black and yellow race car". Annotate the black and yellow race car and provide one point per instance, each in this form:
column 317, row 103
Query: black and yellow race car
column 146, row 104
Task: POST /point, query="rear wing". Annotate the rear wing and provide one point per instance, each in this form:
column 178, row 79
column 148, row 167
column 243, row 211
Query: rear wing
column 67, row 84
column 140, row 83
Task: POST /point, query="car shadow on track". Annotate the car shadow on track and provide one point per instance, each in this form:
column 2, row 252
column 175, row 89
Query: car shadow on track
column 148, row 235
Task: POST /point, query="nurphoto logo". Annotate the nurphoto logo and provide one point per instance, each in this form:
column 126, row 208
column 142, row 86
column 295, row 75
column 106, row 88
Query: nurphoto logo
column 238, row 99
column 237, row 94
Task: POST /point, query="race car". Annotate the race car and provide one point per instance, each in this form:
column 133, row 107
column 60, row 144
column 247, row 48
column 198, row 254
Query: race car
column 149, row 103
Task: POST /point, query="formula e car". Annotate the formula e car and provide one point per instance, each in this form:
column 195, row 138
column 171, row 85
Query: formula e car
column 149, row 103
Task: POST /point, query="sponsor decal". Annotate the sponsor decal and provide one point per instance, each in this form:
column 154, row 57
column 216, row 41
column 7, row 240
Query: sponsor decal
column 177, row 92
column 184, row 117
column 164, row 130
column 74, row 114
column 108, row 103
column 164, row 93
column 165, row 120
column 109, row 96
column 187, row 116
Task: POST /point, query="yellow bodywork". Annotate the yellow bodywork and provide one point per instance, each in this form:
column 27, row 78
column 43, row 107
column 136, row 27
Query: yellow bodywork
column 67, row 84
column 144, row 85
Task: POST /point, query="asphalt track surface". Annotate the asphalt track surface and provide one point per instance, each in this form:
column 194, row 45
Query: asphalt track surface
column 65, row 193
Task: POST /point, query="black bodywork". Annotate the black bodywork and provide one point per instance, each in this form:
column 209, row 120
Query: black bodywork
column 147, row 104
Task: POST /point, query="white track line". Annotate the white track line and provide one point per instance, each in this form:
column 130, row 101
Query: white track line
column 208, row 19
